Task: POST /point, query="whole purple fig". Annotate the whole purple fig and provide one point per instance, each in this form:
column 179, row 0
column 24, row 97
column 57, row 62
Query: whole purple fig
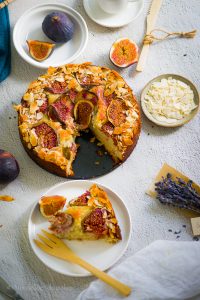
column 9, row 168
column 58, row 27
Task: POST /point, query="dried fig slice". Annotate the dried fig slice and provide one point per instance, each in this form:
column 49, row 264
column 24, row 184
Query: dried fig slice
column 115, row 112
column 61, row 109
column 40, row 50
column 124, row 52
column 83, row 112
column 49, row 205
column 47, row 135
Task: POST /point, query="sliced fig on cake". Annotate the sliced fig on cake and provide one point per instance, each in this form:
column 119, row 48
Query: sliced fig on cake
column 40, row 50
column 86, row 95
column 57, row 87
column 95, row 223
column 44, row 105
column 61, row 223
column 61, row 109
column 116, row 112
column 46, row 135
column 124, row 52
column 81, row 200
column 82, row 112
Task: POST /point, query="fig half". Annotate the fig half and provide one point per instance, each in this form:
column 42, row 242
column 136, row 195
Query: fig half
column 83, row 112
column 40, row 50
column 124, row 52
column 49, row 205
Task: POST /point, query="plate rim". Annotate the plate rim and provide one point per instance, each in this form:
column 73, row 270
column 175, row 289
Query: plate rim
column 75, row 13
column 186, row 119
column 76, row 182
column 112, row 26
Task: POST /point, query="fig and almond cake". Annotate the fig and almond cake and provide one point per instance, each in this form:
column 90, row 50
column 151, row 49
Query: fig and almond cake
column 87, row 217
column 73, row 98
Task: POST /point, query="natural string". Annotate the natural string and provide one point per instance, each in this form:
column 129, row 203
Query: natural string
column 5, row 3
column 150, row 38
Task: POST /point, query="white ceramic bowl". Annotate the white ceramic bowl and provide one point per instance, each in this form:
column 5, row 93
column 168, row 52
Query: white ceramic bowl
column 29, row 26
column 176, row 123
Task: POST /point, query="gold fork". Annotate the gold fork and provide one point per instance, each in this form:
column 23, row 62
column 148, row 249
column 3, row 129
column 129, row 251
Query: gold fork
column 56, row 247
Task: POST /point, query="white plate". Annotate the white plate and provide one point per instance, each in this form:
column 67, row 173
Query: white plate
column 99, row 253
column 130, row 13
column 29, row 26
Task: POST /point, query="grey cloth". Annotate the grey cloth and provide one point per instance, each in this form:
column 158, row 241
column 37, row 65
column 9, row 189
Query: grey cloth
column 164, row 270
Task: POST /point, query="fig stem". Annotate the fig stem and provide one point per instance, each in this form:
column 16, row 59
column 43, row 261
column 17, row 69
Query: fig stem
column 56, row 19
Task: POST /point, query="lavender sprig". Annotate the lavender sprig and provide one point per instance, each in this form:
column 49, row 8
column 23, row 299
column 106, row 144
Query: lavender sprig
column 177, row 193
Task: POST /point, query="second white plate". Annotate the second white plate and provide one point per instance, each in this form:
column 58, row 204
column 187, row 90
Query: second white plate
column 99, row 253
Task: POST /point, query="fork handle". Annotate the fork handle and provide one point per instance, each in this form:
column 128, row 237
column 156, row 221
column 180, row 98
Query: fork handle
column 122, row 288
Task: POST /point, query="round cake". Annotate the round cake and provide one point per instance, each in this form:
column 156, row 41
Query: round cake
column 73, row 98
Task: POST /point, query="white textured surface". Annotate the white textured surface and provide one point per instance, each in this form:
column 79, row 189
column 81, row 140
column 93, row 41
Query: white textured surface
column 178, row 147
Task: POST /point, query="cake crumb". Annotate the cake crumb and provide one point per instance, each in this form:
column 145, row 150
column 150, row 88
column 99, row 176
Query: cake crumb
column 99, row 153
column 92, row 139
column 97, row 162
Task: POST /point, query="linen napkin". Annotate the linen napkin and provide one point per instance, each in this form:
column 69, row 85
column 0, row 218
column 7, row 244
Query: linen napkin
column 5, row 51
column 166, row 270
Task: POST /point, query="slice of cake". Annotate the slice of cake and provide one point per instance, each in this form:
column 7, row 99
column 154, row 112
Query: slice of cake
column 87, row 217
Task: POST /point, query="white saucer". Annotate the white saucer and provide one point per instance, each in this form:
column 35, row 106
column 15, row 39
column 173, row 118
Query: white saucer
column 29, row 26
column 99, row 253
column 126, row 16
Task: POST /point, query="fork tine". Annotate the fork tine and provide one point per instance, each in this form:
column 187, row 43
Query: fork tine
column 46, row 241
column 43, row 246
column 52, row 237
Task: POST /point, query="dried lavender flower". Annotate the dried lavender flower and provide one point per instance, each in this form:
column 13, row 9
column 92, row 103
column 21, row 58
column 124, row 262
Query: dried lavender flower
column 177, row 193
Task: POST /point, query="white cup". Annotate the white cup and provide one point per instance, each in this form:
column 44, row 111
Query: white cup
column 114, row 6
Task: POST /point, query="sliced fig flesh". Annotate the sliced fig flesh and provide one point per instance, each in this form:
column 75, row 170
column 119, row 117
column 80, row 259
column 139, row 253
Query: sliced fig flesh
column 44, row 106
column 61, row 109
column 47, row 135
column 81, row 200
column 115, row 112
column 57, row 87
column 60, row 223
column 83, row 112
column 124, row 52
column 40, row 50
column 95, row 223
